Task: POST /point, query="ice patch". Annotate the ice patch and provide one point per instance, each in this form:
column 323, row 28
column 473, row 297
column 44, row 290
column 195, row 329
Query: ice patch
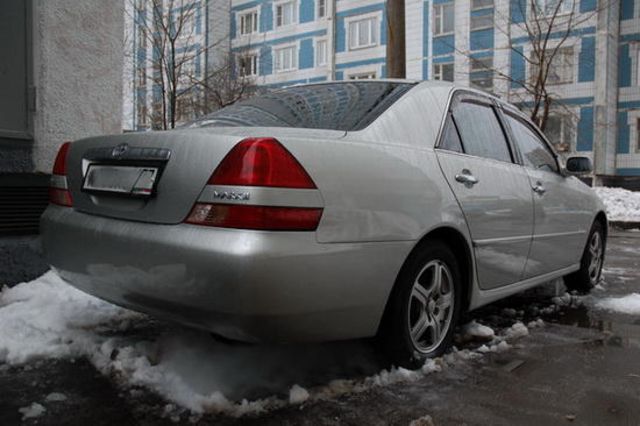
column 629, row 304
column 32, row 411
column 56, row 397
column 621, row 204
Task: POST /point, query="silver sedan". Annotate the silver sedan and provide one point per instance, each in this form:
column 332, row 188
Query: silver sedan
column 329, row 211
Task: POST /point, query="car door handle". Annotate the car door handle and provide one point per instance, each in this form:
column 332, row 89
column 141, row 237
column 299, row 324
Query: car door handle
column 538, row 188
column 467, row 178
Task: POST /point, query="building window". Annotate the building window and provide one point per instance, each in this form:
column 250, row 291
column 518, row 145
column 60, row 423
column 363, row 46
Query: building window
column 562, row 66
column 321, row 52
column 248, row 65
column 481, row 21
column 322, row 9
column 363, row 76
column 549, row 7
column 481, row 4
column 141, row 72
column 637, row 134
column 285, row 13
column 285, row 59
column 142, row 112
column 443, row 18
column 363, row 33
column 443, row 71
column 481, row 73
column 560, row 130
column 249, row 22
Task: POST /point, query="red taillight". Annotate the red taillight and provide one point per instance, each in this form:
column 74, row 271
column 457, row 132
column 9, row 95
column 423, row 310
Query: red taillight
column 255, row 217
column 258, row 162
column 60, row 166
column 58, row 191
column 261, row 162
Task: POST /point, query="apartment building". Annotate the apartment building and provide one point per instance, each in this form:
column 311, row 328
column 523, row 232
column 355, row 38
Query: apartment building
column 594, row 79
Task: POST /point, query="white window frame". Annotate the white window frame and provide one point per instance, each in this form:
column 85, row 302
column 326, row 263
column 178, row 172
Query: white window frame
column 375, row 27
column 256, row 25
column 567, row 118
column 294, row 58
column 567, row 7
column 324, row 3
column 294, row 13
column 482, row 27
column 318, row 42
column 366, row 75
column 440, row 17
column 440, row 73
column 482, row 7
column 568, row 76
column 253, row 53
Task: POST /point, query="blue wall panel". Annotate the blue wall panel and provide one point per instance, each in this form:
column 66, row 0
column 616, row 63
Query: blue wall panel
column 623, row 133
column 341, row 36
column 307, row 11
column 425, row 39
column 626, row 9
column 266, row 61
column 339, row 75
column 585, row 130
column 443, row 45
column 517, row 66
column 481, row 39
column 586, row 60
column 588, row 5
column 624, row 66
column 518, row 10
column 305, row 55
column 266, row 17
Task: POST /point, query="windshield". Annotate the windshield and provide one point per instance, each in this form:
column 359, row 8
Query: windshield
column 337, row 106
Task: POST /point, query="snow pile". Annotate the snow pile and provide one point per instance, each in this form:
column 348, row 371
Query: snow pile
column 475, row 331
column 629, row 304
column 47, row 318
column 32, row 411
column 622, row 205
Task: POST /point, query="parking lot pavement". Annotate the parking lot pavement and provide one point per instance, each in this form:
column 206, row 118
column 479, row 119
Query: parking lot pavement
column 582, row 367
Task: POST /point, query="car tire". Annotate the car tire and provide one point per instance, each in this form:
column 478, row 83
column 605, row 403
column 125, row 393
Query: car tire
column 585, row 278
column 423, row 308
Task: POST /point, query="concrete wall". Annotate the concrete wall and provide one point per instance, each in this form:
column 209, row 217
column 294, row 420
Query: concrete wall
column 77, row 72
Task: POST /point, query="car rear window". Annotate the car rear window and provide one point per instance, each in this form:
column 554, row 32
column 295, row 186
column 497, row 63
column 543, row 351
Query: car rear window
column 340, row 106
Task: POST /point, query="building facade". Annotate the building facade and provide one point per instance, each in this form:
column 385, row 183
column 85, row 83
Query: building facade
column 594, row 80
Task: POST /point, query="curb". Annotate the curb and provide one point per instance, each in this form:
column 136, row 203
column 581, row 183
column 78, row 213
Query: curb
column 624, row 224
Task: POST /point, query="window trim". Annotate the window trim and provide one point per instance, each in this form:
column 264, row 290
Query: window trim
column 435, row 17
column 574, row 67
column 316, row 41
column 484, row 27
column 246, row 54
column 294, row 18
column 433, row 70
column 376, row 16
column 318, row 17
column 277, row 48
column 241, row 14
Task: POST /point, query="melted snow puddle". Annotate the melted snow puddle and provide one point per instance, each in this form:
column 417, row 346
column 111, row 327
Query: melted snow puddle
column 47, row 318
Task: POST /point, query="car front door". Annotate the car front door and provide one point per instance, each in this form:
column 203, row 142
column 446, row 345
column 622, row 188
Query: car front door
column 562, row 215
column 493, row 192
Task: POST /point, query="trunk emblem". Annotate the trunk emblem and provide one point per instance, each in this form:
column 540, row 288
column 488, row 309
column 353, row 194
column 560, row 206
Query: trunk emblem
column 231, row 195
column 120, row 150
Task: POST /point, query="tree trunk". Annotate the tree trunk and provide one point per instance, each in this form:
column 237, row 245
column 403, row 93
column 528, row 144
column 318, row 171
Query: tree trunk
column 396, row 54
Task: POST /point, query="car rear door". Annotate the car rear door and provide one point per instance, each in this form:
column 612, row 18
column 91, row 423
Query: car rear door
column 562, row 215
column 492, row 190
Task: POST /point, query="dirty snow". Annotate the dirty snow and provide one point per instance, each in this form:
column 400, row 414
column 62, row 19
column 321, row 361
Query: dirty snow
column 47, row 318
column 476, row 331
column 629, row 304
column 621, row 204
column 32, row 411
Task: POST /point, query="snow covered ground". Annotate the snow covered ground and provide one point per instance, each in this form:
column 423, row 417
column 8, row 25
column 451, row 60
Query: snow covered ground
column 629, row 304
column 622, row 205
column 47, row 318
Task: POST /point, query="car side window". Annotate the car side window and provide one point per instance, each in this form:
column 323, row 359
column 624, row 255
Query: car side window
column 535, row 152
column 480, row 131
column 450, row 139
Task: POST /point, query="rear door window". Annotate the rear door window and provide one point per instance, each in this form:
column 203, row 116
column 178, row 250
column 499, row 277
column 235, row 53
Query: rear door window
column 535, row 152
column 480, row 131
column 450, row 139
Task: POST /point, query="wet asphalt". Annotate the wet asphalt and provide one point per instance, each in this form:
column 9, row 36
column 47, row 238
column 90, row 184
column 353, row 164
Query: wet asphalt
column 582, row 367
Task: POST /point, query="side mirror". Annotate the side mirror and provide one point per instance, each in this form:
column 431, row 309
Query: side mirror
column 579, row 166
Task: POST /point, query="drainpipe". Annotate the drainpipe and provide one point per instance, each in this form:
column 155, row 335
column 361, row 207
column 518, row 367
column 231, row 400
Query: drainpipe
column 331, row 40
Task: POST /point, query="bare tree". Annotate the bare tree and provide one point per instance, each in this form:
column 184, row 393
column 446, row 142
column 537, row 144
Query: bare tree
column 177, row 58
column 548, row 31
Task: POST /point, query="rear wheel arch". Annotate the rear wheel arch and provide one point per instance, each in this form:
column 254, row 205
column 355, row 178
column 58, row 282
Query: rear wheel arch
column 456, row 241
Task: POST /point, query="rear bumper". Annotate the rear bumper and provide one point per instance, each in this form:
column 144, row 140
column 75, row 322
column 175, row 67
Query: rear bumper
column 245, row 285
